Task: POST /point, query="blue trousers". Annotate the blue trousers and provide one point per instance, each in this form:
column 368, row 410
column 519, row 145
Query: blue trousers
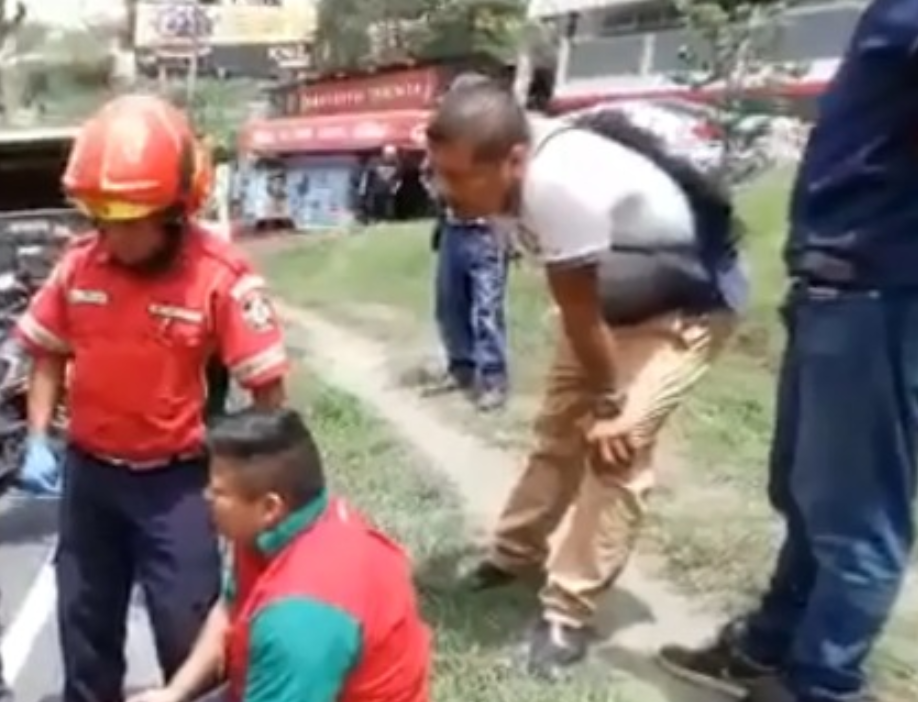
column 118, row 527
column 843, row 477
column 471, row 283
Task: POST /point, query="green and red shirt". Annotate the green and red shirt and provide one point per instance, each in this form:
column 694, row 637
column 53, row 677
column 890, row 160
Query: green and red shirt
column 324, row 610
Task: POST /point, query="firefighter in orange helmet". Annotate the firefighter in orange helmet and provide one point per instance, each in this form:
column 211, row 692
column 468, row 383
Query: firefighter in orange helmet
column 135, row 311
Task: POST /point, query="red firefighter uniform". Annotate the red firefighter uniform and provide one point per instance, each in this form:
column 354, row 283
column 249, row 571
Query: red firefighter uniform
column 138, row 345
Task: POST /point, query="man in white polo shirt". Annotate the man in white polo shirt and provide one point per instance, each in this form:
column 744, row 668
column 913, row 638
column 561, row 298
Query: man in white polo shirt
column 639, row 251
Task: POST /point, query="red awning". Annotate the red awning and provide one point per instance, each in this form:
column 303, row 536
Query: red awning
column 336, row 133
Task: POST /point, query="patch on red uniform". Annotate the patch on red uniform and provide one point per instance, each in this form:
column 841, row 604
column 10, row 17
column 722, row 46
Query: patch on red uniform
column 257, row 311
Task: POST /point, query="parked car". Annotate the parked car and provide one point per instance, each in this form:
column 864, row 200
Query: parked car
column 695, row 129
column 686, row 127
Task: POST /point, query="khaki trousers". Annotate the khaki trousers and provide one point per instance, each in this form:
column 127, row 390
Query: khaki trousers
column 660, row 361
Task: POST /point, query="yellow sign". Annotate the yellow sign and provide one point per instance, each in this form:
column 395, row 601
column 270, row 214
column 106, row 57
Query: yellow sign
column 181, row 23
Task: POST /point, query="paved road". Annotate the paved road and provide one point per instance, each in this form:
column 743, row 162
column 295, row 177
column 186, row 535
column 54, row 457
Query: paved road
column 29, row 644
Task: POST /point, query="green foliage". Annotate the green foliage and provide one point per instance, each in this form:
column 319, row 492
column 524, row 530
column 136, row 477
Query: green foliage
column 219, row 107
column 342, row 40
column 457, row 27
column 362, row 33
column 54, row 73
column 735, row 48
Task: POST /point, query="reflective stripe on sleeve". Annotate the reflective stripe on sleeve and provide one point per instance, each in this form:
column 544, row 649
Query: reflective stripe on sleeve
column 260, row 363
column 40, row 335
column 247, row 284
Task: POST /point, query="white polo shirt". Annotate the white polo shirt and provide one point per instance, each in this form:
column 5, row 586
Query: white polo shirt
column 581, row 191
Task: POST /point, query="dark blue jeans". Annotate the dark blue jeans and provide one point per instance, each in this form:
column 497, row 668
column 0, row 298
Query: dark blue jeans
column 843, row 477
column 120, row 527
column 471, row 283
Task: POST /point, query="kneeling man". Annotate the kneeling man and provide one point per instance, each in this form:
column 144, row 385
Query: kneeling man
column 318, row 607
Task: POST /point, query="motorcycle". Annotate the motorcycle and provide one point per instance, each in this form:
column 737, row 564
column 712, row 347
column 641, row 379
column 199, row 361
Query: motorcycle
column 17, row 287
column 14, row 377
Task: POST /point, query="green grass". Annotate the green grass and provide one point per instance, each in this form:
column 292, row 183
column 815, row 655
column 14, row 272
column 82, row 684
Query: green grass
column 711, row 523
column 476, row 634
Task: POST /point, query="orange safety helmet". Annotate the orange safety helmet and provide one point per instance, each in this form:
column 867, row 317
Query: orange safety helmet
column 134, row 157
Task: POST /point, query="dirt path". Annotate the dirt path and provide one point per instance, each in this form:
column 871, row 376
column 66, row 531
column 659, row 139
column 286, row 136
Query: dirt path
column 643, row 613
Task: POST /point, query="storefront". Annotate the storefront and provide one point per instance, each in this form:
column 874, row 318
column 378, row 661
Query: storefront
column 302, row 165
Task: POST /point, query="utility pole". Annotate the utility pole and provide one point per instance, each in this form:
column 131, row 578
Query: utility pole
column 191, row 79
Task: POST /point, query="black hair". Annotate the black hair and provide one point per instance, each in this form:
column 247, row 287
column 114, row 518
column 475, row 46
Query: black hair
column 270, row 451
column 483, row 114
column 718, row 227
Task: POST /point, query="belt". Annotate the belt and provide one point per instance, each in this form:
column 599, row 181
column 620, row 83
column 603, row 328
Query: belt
column 142, row 465
column 826, row 290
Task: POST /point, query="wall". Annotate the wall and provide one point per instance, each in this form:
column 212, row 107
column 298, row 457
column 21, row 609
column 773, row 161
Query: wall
column 632, row 50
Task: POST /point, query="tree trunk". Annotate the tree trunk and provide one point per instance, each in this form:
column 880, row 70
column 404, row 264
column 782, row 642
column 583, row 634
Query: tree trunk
column 124, row 73
column 10, row 79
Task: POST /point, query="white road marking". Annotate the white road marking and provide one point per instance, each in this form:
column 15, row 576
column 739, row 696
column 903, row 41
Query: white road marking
column 33, row 615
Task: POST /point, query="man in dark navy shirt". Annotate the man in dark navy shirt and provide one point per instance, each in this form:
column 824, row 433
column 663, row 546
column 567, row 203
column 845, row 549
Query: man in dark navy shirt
column 842, row 470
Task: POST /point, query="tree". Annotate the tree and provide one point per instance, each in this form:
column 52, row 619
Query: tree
column 342, row 39
column 734, row 50
column 395, row 28
column 537, row 61
column 124, row 73
column 11, row 20
column 360, row 33
column 463, row 27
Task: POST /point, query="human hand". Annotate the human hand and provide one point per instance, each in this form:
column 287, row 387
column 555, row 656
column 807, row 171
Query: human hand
column 156, row 694
column 40, row 472
column 612, row 443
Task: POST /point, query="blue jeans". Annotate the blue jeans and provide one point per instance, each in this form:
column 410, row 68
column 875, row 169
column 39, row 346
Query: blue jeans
column 843, row 477
column 471, row 283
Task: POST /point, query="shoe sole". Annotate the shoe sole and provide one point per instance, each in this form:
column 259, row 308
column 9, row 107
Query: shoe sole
column 736, row 690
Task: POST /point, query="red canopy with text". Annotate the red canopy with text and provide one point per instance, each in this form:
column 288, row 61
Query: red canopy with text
column 336, row 133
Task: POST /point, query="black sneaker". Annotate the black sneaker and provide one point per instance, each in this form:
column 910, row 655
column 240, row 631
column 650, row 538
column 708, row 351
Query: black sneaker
column 720, row 666
column 553, row 647
column 488, row 576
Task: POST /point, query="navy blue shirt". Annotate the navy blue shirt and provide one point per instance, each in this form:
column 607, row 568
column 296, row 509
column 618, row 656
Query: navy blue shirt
column 854, row 209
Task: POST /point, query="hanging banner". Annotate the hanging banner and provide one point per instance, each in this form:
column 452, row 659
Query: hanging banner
column 177, row 24
column 336, row 133
column 411, row 89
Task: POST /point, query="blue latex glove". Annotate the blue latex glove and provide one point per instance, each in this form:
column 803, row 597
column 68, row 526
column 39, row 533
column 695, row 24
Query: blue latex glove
column 40, row 473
